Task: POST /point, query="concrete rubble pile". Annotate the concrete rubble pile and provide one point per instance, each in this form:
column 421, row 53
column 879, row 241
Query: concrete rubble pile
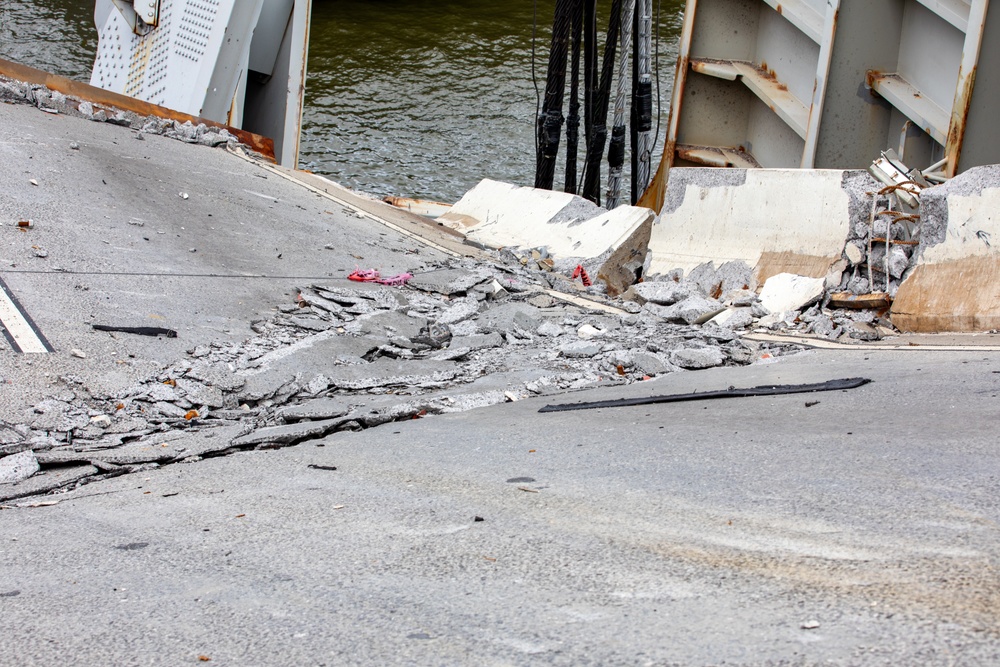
column 787, row 303
column 51, row 101
column 358, row 355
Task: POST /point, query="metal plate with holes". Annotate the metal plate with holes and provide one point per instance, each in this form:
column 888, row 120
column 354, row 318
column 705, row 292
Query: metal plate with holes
column 191, row 62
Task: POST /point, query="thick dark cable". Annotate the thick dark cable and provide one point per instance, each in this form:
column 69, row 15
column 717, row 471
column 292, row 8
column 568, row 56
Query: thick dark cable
column 590, row 71
column 732, row 392
column 573, row 120
column 550, row 119
column 634, row 114
column 595, row 150
column 656, row 68
column 534, row 78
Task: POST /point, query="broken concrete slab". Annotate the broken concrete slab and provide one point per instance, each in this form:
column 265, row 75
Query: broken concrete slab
column 18, row 467
column 448, row 281
column 774, row 220
column 316, row 409
column 953, row 286
column 693, row 310
column 391, row 373
column 787, row 292
column 289, row 434
column 501, row 215
column 156, row 448
column 733, row 318
column 47, row 481
column 661, row 292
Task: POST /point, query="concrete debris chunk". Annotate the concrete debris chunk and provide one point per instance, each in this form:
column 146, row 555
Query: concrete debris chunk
column 733, row 318
column 693, row 310
column 448, row 281
column 580, row 349
column 290, row 434
column 787, row 291
column 461, row 309
column 698, row 358
column 18, row 467
column 664, row 293
column 314, row 410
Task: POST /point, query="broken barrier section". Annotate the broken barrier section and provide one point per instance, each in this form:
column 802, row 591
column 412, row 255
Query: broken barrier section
column 776, row 220
column 611, row 245
column 954, row 285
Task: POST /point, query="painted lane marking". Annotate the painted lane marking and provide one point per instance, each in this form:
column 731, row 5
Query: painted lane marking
column 18, row 327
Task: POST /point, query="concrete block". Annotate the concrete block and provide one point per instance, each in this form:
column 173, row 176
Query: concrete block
column 733, row 318
column 774, row 220
column 18, row 467
column 693, row 310
column 462, row 309
column 698, row 358
column 477, row 342
column 448, row 281
column 785, row 292
column 662, row 292
column 954, row 285
column 580, row 349
column 501, row 215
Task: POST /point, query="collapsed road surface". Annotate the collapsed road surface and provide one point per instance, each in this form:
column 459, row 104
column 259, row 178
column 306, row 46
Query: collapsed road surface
column 196, row 302
column 855, row 527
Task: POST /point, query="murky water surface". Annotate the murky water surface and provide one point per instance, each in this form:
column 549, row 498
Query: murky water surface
column 420, row 99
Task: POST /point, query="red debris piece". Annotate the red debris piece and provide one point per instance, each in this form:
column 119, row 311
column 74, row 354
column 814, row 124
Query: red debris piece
column 364, row 276
column 581, row 273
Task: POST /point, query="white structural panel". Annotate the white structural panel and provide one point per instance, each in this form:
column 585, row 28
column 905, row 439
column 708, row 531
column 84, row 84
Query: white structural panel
column 191, row 63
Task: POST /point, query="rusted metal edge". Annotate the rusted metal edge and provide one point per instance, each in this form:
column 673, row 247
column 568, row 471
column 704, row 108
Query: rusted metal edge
column 876, row 300
column 87, row 93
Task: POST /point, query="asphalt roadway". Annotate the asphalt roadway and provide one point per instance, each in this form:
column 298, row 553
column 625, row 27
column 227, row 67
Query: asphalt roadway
column 857, row 527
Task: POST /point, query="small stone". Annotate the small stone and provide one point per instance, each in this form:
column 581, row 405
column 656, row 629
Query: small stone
column 79, row 354
column 550, row 329
column 33, row 182
column 810, row 625
column 103, row 421
column 184, row 195
column 863, row 331
column 588, row 331
column 73, row 146
column 854, row 254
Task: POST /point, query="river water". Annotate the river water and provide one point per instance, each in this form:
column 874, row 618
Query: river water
column 418, row 99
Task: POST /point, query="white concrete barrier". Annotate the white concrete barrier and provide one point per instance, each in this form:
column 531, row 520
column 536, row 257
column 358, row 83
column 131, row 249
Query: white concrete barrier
column 776, row 220
column 501, row 215
column 955, row 285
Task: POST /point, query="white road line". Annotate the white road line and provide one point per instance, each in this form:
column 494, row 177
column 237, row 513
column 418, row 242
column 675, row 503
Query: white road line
column 19, row 330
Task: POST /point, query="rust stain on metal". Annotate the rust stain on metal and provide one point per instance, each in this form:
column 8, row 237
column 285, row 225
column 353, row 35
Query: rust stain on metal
column 959, row 119
column 871, row 76
column 877, row 300
column 108, row 99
